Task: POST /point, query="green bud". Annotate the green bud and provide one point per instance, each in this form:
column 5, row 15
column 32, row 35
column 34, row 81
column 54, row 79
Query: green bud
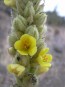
column 17, row 33
column 20, row 6
column 40, row 44
column 12, row 51
column 32, row 30
column 40, row 29
column 36, row 4
column 18, row 23
column 12, row 39
column 30, row 20
column 29, row 10
column 24, row 21
column 40, row 9
column 39, row 19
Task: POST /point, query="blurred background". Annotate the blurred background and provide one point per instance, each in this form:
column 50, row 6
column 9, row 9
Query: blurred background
column 55, row 40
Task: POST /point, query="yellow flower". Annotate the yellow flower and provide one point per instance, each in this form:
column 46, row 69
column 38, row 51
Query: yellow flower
column 11, row 3
column 16, row 69
column 26, row 45
column 44, row 60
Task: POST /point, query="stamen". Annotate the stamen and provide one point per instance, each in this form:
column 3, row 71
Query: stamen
column 45, row 58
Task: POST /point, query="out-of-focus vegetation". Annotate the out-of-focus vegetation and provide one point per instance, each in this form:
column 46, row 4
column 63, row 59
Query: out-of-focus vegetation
column 54, row 19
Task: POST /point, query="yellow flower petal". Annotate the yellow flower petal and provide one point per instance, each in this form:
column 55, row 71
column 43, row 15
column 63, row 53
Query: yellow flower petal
column 47, row 58
column 44, row 60
column 32, row 51
column 41, row 63
column 26, row 45
column 33, row 41
column 16, row 69
column 10, row 3
column 17, row 45
column 44, row 64
column 43, row 51
column 28, row 38
column 20, row 69
column 23, row 52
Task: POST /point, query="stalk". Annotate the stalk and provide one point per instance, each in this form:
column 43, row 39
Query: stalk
column 27, row 45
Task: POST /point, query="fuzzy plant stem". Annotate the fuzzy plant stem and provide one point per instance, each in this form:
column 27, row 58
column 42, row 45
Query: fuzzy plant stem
column 27, row 42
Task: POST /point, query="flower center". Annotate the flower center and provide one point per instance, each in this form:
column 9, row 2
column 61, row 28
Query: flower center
column 45, row 58
column 15, row 71
column 26, row 45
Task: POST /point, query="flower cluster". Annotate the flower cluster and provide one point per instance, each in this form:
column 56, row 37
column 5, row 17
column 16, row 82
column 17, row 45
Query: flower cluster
column 44, row 60
column 27, row 47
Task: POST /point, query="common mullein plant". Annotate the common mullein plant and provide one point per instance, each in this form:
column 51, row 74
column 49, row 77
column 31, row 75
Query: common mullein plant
column 27, row 42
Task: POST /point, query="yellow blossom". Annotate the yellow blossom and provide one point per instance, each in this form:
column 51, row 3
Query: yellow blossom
column 16, row 69
column 11, row 3
column 44, row 60
column 26, row 45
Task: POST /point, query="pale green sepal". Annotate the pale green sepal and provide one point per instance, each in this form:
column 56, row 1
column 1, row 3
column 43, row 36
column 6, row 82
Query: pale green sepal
column 40, row 19
column 12, row 51
column 18, row 23
column 40, row 9
column 20, row 6
column 29, row 10
column 40, row 44
column 24, row 21
column 12, row 39
column 32, row 30
column 36, row 4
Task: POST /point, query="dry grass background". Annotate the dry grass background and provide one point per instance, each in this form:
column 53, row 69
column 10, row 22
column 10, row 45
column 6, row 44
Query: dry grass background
column 56, row 42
